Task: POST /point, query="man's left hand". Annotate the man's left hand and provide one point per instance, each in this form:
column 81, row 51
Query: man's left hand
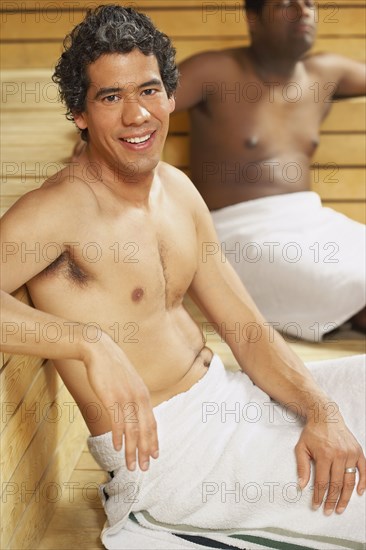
column 334, row 450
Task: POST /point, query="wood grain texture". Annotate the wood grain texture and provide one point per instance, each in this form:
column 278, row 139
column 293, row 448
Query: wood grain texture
column 207, row 21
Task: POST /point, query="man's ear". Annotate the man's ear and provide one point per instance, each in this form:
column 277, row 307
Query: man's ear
column 81, row 120
column 171, row 103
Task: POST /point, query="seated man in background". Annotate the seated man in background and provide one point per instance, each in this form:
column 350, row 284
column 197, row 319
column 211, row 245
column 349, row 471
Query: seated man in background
column 121, row 240
column 255, row 116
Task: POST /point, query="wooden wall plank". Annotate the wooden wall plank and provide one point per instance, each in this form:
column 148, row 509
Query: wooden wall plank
column 334, row 183
column 24, row 423
column 15, row 379
column 352, row 47
column 31, row 55
column 23, row 26
column 346, row 115
column 45, row 55
column 150, row 4
column 38, row 514
column 345, row 150
column 56, row 422
column 354, row 210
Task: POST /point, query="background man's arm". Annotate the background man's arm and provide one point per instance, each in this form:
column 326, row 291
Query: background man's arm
column 194, row 74
column 272, row 365
column 35, row 221
column 349, row 75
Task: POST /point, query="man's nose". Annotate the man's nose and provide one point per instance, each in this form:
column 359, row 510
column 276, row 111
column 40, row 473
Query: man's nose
column 301, row 9
column 134, row 113
column 305, row 8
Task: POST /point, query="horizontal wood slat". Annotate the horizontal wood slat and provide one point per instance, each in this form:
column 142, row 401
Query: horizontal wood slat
column 345, row 150
column 355, row 211
column 151, row 4
column 46, row 24
column 38, row 55
column 333, row 183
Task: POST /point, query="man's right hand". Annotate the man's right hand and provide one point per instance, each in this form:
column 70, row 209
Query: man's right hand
column 126, row 398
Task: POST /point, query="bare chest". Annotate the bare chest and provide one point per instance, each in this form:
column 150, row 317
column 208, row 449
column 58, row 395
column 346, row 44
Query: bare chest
column 260, row 120
column 130, row 261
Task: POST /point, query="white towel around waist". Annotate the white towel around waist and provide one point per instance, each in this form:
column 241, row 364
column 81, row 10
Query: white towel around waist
column 227, row 459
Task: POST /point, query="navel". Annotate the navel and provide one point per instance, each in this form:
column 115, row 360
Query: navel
column 137, row 294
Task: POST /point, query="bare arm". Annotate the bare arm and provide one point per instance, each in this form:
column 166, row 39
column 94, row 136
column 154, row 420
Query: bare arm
column 261, row 352
column 348, row 75
column 42, row 217
column 271, row 364
column 352, row 82
column 195, row 75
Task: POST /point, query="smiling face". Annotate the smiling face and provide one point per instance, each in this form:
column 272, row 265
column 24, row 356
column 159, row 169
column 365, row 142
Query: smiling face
column 285, row 26
column 127, row 113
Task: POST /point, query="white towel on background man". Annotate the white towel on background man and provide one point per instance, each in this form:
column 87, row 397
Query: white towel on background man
column 303, row 264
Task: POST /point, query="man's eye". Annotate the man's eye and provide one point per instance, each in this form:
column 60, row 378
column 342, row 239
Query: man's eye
column 111, row 98
column 149, row 92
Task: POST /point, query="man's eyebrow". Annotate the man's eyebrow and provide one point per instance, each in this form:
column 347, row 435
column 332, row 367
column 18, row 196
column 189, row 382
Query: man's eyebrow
column 115, row 90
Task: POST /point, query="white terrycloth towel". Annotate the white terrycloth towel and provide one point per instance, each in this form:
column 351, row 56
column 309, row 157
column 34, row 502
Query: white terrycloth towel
column 303, row 264
column 227, row 461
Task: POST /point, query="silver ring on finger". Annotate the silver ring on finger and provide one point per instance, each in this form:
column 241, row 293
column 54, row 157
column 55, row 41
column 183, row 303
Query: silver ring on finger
column 350, row 470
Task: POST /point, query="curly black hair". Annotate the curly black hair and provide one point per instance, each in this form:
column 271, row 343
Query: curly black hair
column 105, row 30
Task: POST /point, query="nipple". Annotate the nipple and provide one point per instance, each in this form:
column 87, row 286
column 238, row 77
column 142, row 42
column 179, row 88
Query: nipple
column 137, row 294
column 251, row 142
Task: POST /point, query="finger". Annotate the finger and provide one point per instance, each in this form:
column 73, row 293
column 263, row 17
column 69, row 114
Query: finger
column 117, row 425
column 349, row 482
column 335, row 486
column 117, row 437
column 303, row 465
column 361, row 465
column 148, row 440
column 321, row 482
column 132, row 432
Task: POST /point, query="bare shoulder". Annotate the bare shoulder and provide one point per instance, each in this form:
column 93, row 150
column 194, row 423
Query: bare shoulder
column 54, row 215
column 60, row 199
column 181, row 189
column 328, row 64
column 347, row 76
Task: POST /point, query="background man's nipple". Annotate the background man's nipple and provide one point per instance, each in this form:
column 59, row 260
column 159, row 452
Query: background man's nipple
column 252, row 141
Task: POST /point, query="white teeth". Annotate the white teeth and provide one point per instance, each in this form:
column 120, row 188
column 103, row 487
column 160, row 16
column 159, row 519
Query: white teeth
column 137, row 139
